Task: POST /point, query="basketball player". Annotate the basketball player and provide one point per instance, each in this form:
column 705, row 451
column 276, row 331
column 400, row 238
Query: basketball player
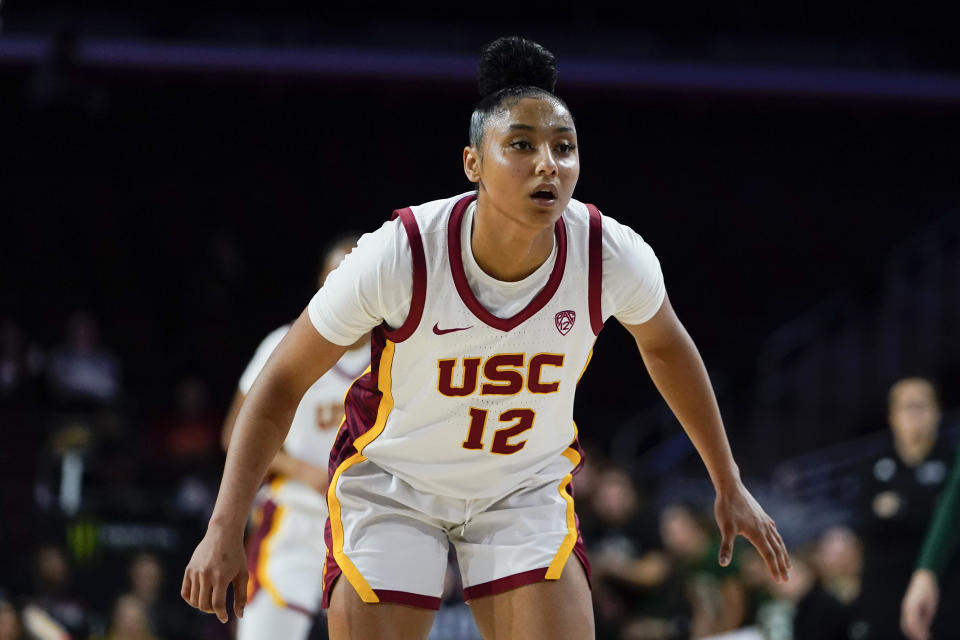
column 484, row 309
column 920, row 601
column 285, row 554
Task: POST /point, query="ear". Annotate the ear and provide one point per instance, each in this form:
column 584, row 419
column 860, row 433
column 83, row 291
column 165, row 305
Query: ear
column 471, row 164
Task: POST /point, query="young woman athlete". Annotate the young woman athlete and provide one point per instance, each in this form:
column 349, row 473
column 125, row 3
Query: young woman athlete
column 484, row 309
column 285, row 554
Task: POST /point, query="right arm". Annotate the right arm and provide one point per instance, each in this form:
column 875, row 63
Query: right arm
column 372, row 285
column 261, row 427
column 311, row 475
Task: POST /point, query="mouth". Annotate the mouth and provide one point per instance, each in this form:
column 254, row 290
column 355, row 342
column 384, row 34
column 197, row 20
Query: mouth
column 545, row 195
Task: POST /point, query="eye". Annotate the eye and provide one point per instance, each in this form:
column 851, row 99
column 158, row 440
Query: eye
column 566, row 147
column 523, row 145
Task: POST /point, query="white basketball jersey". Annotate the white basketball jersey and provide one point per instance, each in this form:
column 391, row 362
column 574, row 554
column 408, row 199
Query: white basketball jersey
column 315, row 422
column 459, row 402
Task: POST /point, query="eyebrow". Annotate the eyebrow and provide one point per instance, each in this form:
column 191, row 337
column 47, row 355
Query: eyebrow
column 527, row 127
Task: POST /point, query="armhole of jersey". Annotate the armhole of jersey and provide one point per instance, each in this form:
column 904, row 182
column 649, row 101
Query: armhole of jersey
column 419, row 277
column 595, row 283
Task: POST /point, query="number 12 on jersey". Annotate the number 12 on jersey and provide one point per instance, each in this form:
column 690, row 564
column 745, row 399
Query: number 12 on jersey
column 522, row 420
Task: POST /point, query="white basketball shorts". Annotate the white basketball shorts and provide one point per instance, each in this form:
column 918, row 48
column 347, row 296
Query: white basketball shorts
column 390, row 540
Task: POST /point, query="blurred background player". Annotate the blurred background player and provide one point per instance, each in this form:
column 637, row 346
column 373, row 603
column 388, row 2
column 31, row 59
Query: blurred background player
column 920, row 602
column 899, row 491
column 285, row 552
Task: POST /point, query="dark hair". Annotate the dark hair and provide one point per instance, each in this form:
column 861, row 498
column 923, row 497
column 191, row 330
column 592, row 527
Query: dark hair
column 511, row 68
column 342, row 239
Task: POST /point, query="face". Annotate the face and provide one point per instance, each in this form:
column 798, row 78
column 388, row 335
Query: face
column 614, row 499
column 680, row 532
column 528, row 163
column 838, row 553
column 146, row 576
column 913, row 411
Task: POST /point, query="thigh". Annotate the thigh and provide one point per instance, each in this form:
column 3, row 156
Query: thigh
column 384, row 539
column 524, row 537
column 548, row 610
column 350, row 618
column 263, row 618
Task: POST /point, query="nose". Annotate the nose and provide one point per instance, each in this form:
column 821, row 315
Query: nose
column 546, row 163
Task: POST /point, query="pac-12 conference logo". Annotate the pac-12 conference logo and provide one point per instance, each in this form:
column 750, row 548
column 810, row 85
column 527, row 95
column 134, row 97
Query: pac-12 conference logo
column 564, row 321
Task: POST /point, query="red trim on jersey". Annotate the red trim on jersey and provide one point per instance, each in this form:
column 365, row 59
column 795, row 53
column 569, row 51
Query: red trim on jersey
column 360, row 405
column 595, row 285
column 463, row 287
column 419, row 277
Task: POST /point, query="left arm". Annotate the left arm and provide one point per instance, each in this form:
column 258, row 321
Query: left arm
column 678, row 372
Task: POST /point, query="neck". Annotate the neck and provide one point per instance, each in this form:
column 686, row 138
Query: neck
column 913, row 454
column 506, row 250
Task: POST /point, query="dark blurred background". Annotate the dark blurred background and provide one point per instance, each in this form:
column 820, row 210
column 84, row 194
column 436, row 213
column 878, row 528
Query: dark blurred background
column 170, row 173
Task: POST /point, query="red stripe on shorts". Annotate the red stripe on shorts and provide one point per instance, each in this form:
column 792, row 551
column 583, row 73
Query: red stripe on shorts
column 506, row 583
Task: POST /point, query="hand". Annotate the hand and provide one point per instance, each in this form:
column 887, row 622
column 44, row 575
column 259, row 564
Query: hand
column 216, row 562
column 919, row 605
column 737, row 512
column 317, row 478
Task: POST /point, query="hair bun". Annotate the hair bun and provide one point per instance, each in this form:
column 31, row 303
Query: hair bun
column 513, row 61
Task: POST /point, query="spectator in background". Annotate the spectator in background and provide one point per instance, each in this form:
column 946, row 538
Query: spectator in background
column 617, row 538
column 10, row 627
column 81, row 372
column 54, row 593
column 192, row 434
column 20, row 365
column 165, row 619
column 838, row 558
column 129, row 620
column 801, row 608
column 920, row 602
column 898, row 494
column 716, row 595
column 184, row 445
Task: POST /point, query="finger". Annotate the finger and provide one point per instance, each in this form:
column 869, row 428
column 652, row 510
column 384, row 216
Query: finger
column 728, row 535
column 220, row 598
column 203, row 595
column 240, row 593
column 767, row 553
column 194, row 590
column 185, row 587
column 783, row 557
column 782, row 545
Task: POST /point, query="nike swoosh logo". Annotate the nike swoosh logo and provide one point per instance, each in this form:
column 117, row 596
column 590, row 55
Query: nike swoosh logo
column 437, row 330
